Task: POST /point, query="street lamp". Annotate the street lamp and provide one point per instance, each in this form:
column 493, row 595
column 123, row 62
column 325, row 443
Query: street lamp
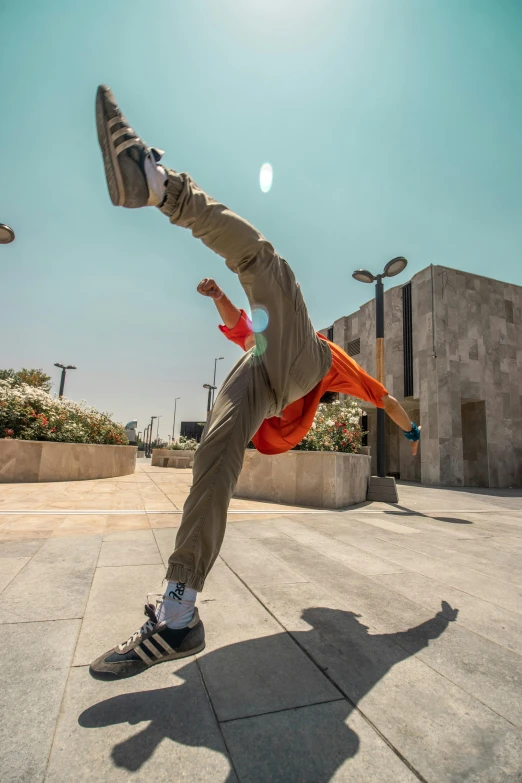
column 174, row 420
column 214, row 381
column 7, row 234
column 150, row 434
column 62, row 379
column 157, row 429
column 392, row 268
column 209, row 402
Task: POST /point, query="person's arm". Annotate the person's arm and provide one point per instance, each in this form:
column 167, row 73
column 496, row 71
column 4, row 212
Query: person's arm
column 230, row 314
column 397, row 414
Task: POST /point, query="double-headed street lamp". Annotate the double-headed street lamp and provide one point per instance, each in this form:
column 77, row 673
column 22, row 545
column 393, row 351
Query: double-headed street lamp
column 209, row 401
column 62, row 379
column 392, row 268
column 174, row 420
column 214, row 381
column 150, row 434
column 7, row 235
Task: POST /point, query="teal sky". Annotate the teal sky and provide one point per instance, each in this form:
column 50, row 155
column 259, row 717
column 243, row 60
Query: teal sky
column 393, row 127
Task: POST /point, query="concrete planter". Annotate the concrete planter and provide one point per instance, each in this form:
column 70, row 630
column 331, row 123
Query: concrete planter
column 172, row 458
column 31, row 460
column 322, row 479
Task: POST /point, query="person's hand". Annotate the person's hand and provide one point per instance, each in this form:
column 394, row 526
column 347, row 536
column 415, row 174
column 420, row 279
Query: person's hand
column 447, row 612
column 209, row 287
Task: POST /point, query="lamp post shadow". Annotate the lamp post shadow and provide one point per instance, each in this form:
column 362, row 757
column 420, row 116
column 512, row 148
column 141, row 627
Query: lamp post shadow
column 296, row 746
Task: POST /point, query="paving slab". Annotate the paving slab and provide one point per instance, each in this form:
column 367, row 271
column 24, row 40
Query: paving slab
column 120, row 550
column 351, row 556
column 159, row 727
column 57, row 579
column 250, row 666
column 115, row 608
column 9, row 568
column 25, row 547
column 482, row 668
column 35, row 666
column 317, row 743
column 165, row 539
column 419, row 711
column 507, row 595
column 490, row 621
column 254, row 564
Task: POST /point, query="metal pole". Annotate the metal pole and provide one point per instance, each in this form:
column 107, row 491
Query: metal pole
column 157, row 428
column 209, row 402
column 62, row 383
column 174, row 422
column 214, row 381
column 379, row 362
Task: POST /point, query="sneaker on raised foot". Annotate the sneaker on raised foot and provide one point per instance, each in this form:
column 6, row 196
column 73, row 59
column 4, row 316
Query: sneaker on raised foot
column 153, row 643
column 133, row 177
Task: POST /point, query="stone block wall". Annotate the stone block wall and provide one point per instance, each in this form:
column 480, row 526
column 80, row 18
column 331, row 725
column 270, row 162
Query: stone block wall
column 467, row 364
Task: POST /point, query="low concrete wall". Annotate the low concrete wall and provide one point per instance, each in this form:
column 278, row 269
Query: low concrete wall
column 172, row 458
column 322, row 479
column 31, row 460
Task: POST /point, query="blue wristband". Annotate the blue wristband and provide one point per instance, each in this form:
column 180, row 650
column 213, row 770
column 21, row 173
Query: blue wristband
column 413, row 434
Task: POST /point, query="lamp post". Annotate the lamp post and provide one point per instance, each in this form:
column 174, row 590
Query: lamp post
column 62, row 379
column 157, row 428
column 209, row 402
column 150, row 433
column 214, row 381
column 392, row 268
column 174, row 420
column 7, row 235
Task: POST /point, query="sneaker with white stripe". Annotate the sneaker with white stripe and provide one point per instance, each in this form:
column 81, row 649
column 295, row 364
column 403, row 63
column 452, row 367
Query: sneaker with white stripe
column 153, row 643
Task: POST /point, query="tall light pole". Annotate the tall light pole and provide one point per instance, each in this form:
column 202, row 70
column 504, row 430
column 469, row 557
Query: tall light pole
column 174, row 420
column 7, row 235
column 157, row 429
column 209, row 402
column 392, row 268
column 62, row 379
column 150, row 433
column 214, row 381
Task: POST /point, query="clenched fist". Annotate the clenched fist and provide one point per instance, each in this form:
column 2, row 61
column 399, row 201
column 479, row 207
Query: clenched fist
column 209, row 287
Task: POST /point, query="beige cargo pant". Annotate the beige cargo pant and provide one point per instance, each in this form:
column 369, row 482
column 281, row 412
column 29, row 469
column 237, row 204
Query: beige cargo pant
column 289, row 361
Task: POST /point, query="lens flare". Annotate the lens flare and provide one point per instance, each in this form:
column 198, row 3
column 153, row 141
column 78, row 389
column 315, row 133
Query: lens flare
column 259, row 319
column 261, row 343
column 266, row 176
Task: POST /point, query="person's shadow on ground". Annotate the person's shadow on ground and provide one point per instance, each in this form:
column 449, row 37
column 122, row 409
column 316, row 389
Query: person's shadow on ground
column 292, row 744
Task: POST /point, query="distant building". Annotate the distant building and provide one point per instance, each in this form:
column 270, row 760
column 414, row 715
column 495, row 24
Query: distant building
column 192, row 429
column 453, row 357
column 130, row 432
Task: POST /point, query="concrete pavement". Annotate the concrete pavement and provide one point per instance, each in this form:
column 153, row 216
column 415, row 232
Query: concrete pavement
column 382, row 643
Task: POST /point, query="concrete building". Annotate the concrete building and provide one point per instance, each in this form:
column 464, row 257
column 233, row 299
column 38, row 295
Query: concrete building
column 453, row 357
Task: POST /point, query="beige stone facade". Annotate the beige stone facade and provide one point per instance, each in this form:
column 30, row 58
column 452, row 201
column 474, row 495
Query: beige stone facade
column 467, row 376
column 34, row 461
column 321, row 479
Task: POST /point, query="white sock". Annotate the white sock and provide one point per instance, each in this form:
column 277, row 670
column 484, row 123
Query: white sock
column 156, row 180
column 177, row 607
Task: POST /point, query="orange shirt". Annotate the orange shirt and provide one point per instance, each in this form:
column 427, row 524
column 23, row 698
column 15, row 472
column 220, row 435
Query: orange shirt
column 279, row 434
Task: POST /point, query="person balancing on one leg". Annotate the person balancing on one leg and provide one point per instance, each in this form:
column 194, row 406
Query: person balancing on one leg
column 270, row 397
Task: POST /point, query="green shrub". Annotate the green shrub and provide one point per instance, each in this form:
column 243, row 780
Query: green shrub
column 184, row 444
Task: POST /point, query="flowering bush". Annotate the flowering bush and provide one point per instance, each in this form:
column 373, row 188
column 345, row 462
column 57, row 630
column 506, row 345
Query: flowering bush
column 336, row 427
column 184, row 444
column 29, row 413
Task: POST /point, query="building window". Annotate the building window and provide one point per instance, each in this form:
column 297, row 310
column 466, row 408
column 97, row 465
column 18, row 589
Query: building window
column 407, row 339
column 329, row 334
column 354, row 347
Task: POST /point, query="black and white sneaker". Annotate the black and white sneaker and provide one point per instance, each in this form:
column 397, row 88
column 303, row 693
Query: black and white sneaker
column 125, row 156
column 153, row 643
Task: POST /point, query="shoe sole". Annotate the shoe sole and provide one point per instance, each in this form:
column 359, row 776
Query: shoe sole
column 174, row 657
column 113, row 173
